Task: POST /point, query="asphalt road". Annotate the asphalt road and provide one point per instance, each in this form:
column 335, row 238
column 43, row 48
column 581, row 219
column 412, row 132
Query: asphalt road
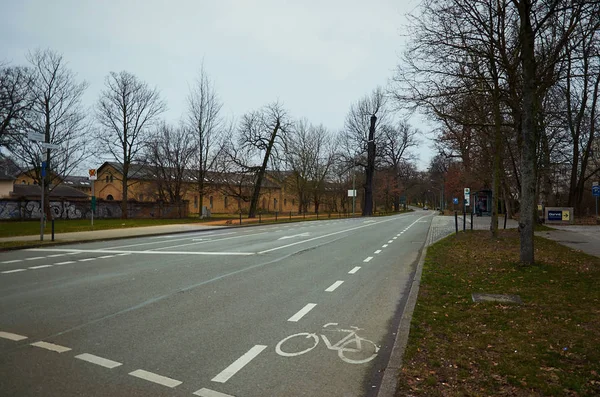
column 302, row 309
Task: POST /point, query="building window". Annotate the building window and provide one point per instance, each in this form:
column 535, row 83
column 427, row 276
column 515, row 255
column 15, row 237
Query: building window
column 195, row 201
column 210, row 201
column 293, row 201
column 264, row 203
column 106, row 178
column 111, row 178
column 275, row 204
column 23, row 182
column 110, row 197
column 225, row 201
column 141, row 197
column 285, row 202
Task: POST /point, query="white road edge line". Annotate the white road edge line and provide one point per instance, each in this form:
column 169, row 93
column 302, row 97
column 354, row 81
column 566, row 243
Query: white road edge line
column 152, row 377
column 63, row 263
column 377, row 252
column 103, row 251
column 11, row 336
column 238, row 364
column 368, row 259
column 334, row 286
column 357, row 268
column 204, row 392
column 13, row 271
column 302, row 312
column 51, row 347
column 39, row 267
column 103, row 362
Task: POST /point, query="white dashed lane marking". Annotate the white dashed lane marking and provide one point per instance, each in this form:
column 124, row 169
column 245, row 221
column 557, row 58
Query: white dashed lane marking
column 39, row 267
column 357, row 268
column 302, row 312
column 13, row 261
column 11, row 336
column 238, row 364
column 35, row 258
column 155, row 378
column 391, row 241
column 51, row 347
column 103, row 362
column 368, row 259
column 13, row 271
column 204, row 392
column 64, row 263
column 87, row 259
column 378, row 251
column 384, row 246
column 334, row 286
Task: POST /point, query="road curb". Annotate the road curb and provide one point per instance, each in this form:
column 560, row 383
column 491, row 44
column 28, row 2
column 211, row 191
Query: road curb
column 389, row 382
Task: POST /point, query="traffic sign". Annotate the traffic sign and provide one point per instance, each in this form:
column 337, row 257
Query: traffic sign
column 467, row 200
column 43, row 169
column 455, row 200
column 34, row 136
column 596, row 191
column 93, row 175
column 467, row 192
column 46, row 145
column 352, row 193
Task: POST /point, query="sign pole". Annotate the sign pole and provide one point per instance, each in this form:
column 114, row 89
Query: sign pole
column 42, row 206
column 93, row 197
column 92, row 179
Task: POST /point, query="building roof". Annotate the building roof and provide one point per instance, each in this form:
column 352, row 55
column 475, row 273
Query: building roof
column 8, row 169
column 77, row 181
column 60, row 191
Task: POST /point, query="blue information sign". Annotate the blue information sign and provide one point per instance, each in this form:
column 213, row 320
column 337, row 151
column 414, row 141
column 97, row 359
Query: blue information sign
column 596, row 191
column 43, row 169
column 455, row 200
column 555, row 215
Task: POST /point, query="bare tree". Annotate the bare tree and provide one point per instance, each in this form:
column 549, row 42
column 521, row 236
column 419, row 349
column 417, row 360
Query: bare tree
column 126, row 111
column 57, row 114
column 15, row 100
column 169, row 153
column 260, row 134
column 397, row 140
column 207, row 125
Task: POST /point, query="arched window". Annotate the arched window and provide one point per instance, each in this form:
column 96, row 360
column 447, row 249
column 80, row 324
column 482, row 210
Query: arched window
column 111, row 178
column 225, row 201
column 210, row 201
column 284, row 202
column 106, row 178
column 109, row 197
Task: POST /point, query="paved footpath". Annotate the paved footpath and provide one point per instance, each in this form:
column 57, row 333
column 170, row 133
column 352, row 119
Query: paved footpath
column 585, row 238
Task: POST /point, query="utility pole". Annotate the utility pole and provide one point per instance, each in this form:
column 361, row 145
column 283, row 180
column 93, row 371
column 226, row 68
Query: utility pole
column 368, row 205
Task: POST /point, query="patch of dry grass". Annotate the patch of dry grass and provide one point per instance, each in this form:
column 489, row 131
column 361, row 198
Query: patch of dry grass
column 550, row 345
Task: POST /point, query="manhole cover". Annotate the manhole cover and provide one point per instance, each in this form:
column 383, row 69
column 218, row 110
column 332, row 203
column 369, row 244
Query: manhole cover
column 496, row 298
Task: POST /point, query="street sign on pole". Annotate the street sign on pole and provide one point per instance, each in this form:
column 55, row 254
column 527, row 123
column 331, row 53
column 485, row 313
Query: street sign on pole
column 351, row 193
column 34, row 136
column 596, row 191
column 47, row 145
column 455, row 200
column 93, row 175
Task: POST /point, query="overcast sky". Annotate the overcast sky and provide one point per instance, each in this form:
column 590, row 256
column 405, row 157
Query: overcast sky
column 317, row 57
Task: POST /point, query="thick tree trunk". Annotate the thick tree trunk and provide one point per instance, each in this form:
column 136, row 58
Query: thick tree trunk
column 124, row 181
column 528, row 152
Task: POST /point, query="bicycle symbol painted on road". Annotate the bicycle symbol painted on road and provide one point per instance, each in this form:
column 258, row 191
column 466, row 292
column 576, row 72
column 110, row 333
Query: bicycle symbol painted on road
column 351, row 348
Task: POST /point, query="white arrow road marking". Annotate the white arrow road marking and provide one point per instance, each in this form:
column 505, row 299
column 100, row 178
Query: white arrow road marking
column 305, row 234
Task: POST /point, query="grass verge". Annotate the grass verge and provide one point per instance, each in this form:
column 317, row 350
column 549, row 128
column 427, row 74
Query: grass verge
column 549, row 345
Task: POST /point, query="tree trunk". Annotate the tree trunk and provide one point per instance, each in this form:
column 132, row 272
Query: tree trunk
column 528, row 152
column 261, row 173
column 368, row 203
column 124, row 214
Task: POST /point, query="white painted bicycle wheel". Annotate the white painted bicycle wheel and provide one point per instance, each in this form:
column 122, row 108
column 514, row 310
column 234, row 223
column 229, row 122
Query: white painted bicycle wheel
column 371, row 347
column 306, row 335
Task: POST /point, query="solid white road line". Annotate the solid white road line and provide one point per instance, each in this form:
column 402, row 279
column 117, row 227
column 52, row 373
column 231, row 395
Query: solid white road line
column 377, row 252
column 11, row 336
column 64, row 263
column 238, row 364
column 39, row 267
column 35, row 258
column 103, row 362
column 368, row 259
column 204, row 392
column 13, row 261
column 334, row 286
column 384, row 246
column 87, row 259
column 51, row 347
column 13, row 271
column 357, row 268
column 102, row 251
column 302, row 312
column 152, row 377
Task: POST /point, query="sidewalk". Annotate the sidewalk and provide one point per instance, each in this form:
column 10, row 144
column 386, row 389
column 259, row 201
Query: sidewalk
column 582, row 238
column 113, row 233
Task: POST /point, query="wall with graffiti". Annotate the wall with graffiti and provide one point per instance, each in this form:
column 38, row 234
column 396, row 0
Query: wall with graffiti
column 30, row 209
